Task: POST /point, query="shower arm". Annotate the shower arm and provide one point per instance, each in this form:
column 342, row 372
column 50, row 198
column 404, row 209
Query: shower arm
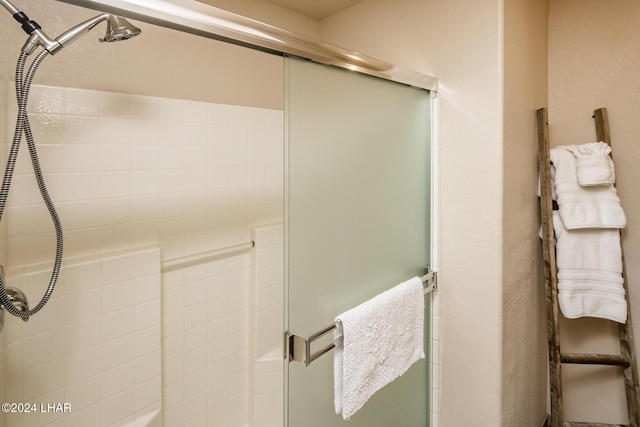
column 39, row 37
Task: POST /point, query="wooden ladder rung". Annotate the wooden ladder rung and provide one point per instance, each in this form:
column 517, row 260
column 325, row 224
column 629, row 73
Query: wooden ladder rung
column 595, row 359
column 583, row 424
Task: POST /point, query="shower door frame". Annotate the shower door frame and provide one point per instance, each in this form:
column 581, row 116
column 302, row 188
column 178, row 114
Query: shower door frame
column 208, row 21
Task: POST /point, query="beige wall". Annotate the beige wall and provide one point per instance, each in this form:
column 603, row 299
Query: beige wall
column 524, row 344
column 269, row 13
column 492, row 371
column 594, row 58
column 162, row 62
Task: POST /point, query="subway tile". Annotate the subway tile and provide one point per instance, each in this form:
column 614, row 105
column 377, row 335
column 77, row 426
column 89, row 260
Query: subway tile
column 218, row 113
column 195, row 405
column 115, row 408
column 147, row 367
column 196, row 361
column 112, row 130
column 173, row 415
column 80, row 102
column 82, row 364
column 111, row 157
column 144, row 157
column 173, row 300
column 147, row 315
column 112, row 104
column 145, row 208
column 172, row 322
column 147, row 394
column 43, row 379
column 117, row 324
column 32, row 348
column 171, row 181
column 147, row 341
column 199, row 420
column 81, row 186
column 114, row 184
column 197, row 112
column 195, row 315
column 170, row 132
column 217, row 352
column 146, row 289
column 83, row 417
column 117, row 351
column 195, row 383
column 195, row 292
column 46, row 99
column 196, row 155
column 173, row 393
column 81, row 214
column 113, row 297
column 84, row 393
column 144, row 183
column 173, row 370
column 195, row 337
column 155, row 108
column 116, row 380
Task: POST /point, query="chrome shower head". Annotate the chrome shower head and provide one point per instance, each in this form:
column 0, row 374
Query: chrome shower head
column 118, row 29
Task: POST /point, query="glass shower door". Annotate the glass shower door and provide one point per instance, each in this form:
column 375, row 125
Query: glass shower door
column 356, row 224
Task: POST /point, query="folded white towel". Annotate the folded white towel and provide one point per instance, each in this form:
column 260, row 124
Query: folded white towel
column 594, row 166
column 590, row 282
column 376, row 342
column 583, row 207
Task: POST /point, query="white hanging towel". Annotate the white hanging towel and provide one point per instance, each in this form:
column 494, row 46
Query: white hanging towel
column 590, row 282
column 376, row 342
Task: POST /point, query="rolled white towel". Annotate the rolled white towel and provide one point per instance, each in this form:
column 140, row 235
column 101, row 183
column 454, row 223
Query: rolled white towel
column 594, row 166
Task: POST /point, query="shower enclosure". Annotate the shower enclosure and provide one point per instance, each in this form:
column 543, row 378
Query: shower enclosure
column 228, row 226
column 356, row 221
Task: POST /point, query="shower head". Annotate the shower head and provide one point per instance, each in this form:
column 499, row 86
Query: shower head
column 118, row 29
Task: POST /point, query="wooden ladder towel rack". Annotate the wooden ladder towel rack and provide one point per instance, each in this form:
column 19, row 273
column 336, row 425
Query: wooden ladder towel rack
column 627, row 357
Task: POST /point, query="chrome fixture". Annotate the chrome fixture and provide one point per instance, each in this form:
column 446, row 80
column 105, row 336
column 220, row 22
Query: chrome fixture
column 13, row 300
column 204, row 20
column 117, row 29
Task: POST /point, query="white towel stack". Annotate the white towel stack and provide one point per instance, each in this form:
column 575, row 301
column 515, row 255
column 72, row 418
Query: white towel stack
column 376, row 342
column 588, row 252
column 583, row 206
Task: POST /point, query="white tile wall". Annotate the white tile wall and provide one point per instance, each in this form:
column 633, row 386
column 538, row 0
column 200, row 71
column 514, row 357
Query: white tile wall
column 95, row 345
column 205, row 344
column 436, row 314
column 127, row 171
column 266, row 361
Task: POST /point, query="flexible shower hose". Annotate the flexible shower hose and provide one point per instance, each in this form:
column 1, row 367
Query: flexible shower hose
column 23, row 84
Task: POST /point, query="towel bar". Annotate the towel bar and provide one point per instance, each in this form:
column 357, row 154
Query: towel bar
column 300, row 347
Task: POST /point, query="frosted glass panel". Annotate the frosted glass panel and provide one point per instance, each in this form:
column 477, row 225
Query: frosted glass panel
column 356, row 223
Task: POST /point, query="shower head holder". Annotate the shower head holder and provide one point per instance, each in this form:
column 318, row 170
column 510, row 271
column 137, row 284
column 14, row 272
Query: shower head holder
column 118, row 29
